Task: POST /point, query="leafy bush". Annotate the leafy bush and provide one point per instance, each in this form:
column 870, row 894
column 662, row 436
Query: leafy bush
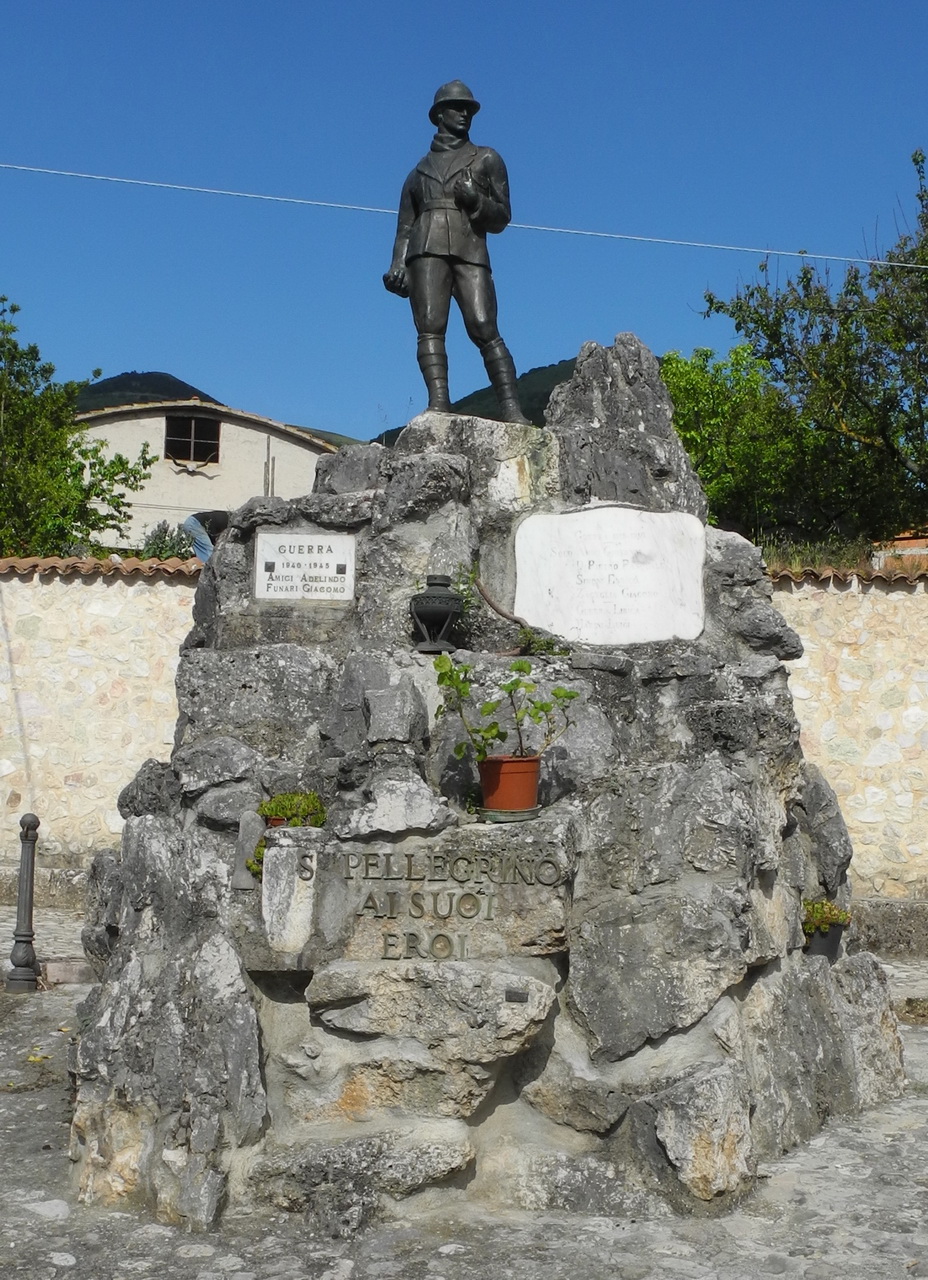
column 848, row 554
column 255, row 863
column 847, row 361
column 164, row 542
column 532, row 641
column 297, row 808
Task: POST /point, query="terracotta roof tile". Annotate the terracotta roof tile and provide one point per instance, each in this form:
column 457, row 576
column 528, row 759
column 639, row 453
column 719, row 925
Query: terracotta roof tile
column 132, row 566
column 129, row 568
column 826, row 574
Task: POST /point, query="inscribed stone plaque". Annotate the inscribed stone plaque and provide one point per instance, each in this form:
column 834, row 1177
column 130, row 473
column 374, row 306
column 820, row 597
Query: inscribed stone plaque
column 611, row 575
column 304, row 564
column 464, row 894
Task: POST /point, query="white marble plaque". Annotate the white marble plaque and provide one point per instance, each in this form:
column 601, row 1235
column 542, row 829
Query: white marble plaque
column 303, row 564
column 612, row 575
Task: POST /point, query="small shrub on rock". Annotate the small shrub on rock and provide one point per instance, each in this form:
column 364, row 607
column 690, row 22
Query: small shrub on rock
column 297, row 809
column 820, row 915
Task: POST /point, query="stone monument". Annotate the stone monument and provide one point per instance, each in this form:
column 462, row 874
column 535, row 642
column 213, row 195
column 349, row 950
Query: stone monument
column 607, row 1009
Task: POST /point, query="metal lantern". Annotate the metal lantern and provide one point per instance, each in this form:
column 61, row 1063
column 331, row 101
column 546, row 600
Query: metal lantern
column 435, row 611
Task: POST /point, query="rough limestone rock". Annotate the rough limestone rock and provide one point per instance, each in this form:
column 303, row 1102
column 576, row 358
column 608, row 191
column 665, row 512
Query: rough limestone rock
column 613, row 421
column 606, row 1008
column 174, row 1033
column 469, row 1020
column 656, row 963
column 704, row 1125
column 561, row 1084
column 342, row 1188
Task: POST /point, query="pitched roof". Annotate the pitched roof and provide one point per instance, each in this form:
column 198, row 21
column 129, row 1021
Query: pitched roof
column 137, row 388
column 125, row 392
column 329, row 441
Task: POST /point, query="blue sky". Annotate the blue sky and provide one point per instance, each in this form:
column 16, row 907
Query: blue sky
column 786, row 125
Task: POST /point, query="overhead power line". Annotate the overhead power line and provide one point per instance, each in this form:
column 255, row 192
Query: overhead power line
column 519, row 226
column 207, row 191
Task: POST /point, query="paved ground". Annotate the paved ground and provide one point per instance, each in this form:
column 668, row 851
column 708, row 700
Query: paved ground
column 852, row 1204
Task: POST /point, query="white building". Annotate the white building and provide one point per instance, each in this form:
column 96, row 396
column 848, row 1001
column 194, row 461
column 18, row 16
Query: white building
column 210, row 457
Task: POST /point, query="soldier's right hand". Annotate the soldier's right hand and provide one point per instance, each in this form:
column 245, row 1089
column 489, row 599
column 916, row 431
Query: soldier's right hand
column 395, row 281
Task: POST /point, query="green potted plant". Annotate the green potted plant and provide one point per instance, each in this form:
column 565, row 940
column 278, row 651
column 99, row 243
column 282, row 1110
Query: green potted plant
column 509, row 782
column 291, row 809
column 823, row 923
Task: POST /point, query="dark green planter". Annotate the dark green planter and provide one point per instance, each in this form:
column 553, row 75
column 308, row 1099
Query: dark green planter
column 826, row 944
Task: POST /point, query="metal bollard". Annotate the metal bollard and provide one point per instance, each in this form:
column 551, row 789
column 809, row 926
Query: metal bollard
column 25, row 966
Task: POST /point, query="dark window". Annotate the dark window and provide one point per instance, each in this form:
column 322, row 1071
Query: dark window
column 191, row 439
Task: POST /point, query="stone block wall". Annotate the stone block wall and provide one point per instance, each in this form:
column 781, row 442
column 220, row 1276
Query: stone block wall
column 88, row 655
column 88, row 652
column 861, row 696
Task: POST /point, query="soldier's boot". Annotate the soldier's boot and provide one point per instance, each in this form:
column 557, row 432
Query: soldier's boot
column 433, row 363
column 502, row 375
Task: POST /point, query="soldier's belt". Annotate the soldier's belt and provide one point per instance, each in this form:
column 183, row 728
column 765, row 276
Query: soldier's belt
column 430, row 206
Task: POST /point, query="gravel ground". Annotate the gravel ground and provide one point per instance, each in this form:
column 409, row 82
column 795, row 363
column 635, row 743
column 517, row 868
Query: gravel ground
column 850, row 1204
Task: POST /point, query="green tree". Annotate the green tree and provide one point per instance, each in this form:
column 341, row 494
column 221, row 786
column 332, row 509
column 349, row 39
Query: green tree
column 853, row 359
column 767, row 471
column 730, row 420
column 57, row 487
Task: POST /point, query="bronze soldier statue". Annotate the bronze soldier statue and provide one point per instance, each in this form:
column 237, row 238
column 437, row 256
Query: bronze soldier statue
column 453, row 197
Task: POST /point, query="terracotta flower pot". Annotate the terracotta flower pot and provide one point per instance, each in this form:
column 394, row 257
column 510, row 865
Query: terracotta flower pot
column 509, row 782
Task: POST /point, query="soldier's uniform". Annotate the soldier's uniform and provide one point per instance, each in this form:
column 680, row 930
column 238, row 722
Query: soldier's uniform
column 444, row 249
column 430, row 220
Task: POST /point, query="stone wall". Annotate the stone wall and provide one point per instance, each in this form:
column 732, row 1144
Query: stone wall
column 87, row 693
column 88, row 653
column 861, row 696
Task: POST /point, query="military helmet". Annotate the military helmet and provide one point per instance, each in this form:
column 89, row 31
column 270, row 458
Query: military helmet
column 456, row 92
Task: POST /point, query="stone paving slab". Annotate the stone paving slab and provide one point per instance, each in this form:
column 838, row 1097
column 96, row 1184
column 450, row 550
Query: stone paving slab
column 852, row 1204
column 907, row 979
